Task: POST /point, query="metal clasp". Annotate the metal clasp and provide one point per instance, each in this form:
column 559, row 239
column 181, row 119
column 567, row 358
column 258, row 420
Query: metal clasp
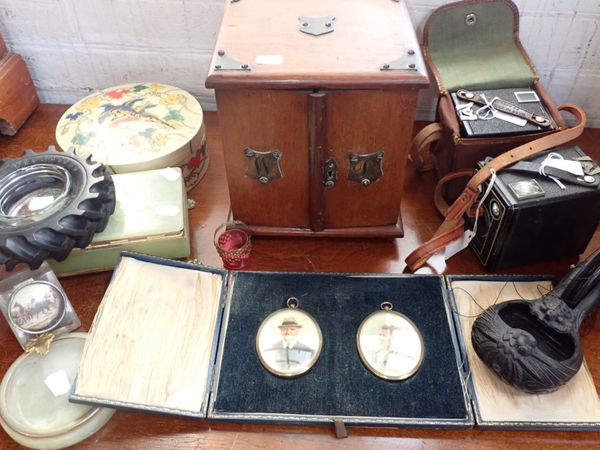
column 263, row 166
column 365, row 169
column 406, row 62
column 226, row 62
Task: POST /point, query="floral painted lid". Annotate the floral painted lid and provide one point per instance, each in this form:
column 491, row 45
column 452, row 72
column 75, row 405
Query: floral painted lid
column 131, row 124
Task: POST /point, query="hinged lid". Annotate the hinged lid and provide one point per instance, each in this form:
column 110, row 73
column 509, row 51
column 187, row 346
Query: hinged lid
column 286, row 44
column 496, row 404
column 475, row 44
column 153, row 340
column 150, row 204
column 133, row 127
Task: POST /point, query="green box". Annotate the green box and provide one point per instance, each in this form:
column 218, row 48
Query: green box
column 150, row 217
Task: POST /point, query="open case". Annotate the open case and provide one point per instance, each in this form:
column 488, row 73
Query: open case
column 474, row 45
column 143, row 345
column 498, row 405
column 125, row 349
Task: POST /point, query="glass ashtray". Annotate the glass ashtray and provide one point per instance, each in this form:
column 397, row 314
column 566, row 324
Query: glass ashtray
column 34, row 398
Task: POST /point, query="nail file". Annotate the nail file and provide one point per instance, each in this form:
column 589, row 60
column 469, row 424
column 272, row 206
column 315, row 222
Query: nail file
column 505, row 107
column 508, row 118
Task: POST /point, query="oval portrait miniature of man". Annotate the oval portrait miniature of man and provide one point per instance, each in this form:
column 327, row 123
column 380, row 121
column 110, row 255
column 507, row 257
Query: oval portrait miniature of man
column 289, row 342
column 390, row 345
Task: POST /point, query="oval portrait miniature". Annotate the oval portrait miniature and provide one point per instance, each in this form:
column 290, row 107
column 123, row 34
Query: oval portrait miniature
column 36, row 307
column 289, row 341
column 389, row 344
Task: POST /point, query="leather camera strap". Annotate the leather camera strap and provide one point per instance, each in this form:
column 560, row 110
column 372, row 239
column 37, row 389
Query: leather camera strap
column 424, row 138
column 453, row 226
column 438, row 195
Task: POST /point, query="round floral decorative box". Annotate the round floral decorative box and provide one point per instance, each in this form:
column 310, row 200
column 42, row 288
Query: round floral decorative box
column 140, row 126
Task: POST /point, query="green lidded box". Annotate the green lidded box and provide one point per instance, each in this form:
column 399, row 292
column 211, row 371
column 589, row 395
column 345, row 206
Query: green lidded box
column 150, row 217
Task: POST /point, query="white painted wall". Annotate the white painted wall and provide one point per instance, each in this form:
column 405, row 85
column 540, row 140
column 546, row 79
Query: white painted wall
column 76, row 46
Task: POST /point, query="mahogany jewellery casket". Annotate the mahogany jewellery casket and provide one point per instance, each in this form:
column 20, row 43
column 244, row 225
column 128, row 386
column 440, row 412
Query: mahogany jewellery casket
column 316, row 102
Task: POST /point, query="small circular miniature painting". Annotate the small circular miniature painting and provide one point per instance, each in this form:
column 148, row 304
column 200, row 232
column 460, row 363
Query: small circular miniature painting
column 36, row 307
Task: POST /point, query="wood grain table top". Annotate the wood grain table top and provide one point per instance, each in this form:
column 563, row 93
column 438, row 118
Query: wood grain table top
column 128, row 430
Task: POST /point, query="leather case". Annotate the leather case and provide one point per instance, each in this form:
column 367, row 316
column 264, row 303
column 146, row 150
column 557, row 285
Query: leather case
column 474, row 44
column 497, row 405
column 339, row 389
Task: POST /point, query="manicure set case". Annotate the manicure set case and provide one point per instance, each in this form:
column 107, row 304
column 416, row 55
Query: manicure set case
column 475, row 45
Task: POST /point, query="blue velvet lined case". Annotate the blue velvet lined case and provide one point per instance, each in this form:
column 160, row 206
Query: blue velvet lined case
column 338, row 386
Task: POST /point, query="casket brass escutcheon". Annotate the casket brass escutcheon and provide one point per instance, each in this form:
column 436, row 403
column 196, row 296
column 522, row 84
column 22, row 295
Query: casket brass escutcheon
column 365, row 169
column 263, row 166
column 330, row 175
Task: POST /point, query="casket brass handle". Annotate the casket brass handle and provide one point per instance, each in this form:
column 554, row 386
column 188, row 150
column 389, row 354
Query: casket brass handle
column 263, row 166
column 365, row 169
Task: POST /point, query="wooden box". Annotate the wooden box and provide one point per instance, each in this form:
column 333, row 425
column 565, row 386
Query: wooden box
column 151, row 216
column 18, row 98
column 316, row 103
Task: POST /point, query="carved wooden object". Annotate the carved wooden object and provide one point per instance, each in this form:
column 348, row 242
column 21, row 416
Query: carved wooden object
column 18, row 98
column 535, row 346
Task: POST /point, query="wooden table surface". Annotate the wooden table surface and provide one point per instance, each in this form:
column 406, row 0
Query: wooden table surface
column 129, row 430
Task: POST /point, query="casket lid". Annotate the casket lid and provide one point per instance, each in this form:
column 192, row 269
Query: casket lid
column 261, row 45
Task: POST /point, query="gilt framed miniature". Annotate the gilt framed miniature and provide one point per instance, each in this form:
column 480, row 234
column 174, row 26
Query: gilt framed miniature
column 289, row 341
column 389, row 344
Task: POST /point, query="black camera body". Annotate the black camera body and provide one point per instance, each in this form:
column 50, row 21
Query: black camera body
column 528, row 218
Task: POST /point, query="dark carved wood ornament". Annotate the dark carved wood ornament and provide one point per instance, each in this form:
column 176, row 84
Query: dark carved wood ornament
column 535, row 345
